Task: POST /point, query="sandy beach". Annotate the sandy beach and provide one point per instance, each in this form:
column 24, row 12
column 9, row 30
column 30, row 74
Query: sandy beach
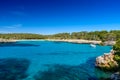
column 65, row 40
column 80, row 41
column 7, row 40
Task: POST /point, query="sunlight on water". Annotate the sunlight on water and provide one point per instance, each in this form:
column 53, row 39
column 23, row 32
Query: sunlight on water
column 55, row 60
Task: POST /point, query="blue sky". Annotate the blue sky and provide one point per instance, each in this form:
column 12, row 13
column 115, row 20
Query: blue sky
column 55, row 16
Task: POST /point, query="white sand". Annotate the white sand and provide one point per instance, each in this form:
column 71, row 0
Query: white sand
column 76, row 41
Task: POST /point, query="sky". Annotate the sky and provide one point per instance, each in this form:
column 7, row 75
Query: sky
column 56, row 16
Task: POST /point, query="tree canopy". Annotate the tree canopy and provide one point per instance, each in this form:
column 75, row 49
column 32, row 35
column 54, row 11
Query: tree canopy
column 21, row 36
column 116, row 47
column 112, row 35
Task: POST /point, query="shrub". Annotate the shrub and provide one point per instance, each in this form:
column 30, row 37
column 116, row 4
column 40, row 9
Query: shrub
column 116, row 47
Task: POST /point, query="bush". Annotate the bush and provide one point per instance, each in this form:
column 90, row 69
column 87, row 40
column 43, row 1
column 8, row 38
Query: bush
column 116, row 47
column 117, row 58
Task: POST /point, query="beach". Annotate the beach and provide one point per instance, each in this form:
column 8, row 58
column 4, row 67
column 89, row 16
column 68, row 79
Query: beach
column 79, row 41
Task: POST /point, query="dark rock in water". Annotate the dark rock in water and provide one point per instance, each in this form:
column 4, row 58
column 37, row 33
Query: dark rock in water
column 13, row 69
column 64, row 72
column 115, row 76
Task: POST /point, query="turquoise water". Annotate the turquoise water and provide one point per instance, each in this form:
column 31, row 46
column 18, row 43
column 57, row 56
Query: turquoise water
column 65, row 59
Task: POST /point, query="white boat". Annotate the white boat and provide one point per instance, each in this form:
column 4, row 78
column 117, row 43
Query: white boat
column 93, row 45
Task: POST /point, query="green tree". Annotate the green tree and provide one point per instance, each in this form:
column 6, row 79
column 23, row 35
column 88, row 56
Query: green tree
column 116, row 47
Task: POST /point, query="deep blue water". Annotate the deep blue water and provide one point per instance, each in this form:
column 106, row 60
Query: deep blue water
column 56, row 60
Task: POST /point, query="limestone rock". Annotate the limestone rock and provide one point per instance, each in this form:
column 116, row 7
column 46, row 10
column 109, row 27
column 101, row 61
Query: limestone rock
column 106, row 61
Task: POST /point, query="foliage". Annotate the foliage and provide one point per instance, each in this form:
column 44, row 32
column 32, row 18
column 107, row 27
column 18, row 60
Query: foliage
column 116, row 47
column 21, row 36
column 60, row 36
column 117, row 58
column 96, row 35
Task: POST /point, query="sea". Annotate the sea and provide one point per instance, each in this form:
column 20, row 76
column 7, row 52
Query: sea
column 50, row 60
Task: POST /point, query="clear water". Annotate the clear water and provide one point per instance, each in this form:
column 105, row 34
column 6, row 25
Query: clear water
column 45, row 54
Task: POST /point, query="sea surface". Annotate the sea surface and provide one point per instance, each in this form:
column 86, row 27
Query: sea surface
column 55, row 60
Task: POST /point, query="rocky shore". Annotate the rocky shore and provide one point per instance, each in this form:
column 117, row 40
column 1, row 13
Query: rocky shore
column 106, row 61
column 109, row 42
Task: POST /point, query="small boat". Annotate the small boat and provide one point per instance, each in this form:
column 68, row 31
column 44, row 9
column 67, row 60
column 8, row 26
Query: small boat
column 93, row 45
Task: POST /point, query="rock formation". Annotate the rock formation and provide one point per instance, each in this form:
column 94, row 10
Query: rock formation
column 106, row 61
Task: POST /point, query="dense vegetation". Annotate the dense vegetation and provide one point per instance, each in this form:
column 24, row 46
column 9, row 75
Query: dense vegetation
column 96, row 35
column 116, row 47
column 21, row 36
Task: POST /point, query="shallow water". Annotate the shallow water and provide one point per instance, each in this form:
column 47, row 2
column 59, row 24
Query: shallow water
column 66, row 59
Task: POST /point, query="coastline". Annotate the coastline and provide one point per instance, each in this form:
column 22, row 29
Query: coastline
column 78, row 41
column 30, row 40
column 7, row 40
column 57, row 40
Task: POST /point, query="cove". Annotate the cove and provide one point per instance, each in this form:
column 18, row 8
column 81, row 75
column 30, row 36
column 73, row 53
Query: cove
column 51, row 60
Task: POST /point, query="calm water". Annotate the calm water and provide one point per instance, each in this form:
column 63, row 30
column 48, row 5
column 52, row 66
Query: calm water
column 56, row 60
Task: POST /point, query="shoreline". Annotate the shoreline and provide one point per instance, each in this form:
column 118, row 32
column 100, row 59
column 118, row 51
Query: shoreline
column 6, row 40
column 78, row 41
